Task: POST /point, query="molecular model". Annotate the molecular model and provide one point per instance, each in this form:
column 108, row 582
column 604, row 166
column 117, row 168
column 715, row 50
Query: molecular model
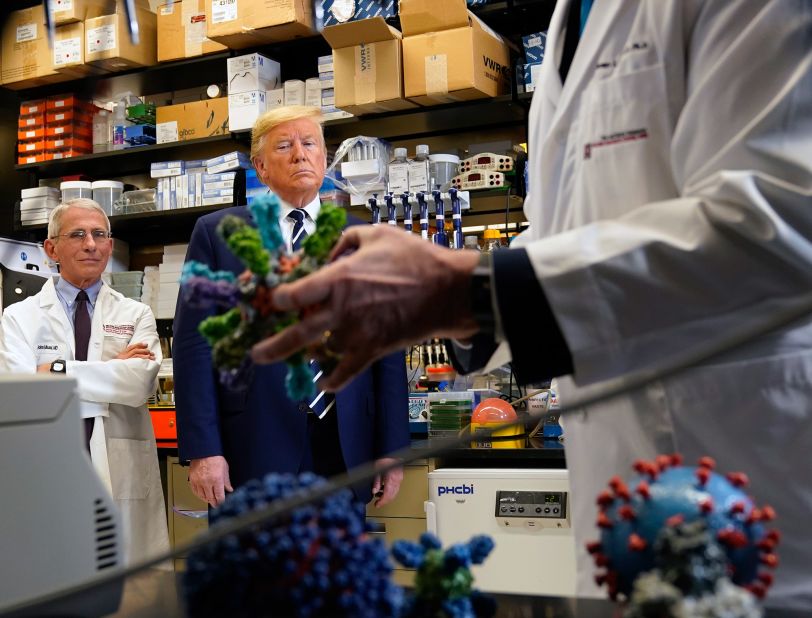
column 444, row 583
column 249, row 314
column 317, row 562
column 684, row 541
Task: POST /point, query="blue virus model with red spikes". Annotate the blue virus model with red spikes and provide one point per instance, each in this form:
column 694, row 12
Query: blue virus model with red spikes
column 249, row 314
column 685, row 530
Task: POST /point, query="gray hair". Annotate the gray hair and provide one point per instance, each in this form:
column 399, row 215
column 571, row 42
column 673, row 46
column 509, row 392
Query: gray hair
column 55, row 219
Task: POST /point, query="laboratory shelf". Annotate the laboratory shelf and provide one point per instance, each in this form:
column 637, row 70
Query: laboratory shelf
column 131, row 160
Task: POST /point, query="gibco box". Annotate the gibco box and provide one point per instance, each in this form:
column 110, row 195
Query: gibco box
column 108, row 44
column 245, row 23
column 244, row 109
column 367, row 66
column 466, row 63
column 182, row 31
column 192, row 120
column 27, row 59
column 252, row 72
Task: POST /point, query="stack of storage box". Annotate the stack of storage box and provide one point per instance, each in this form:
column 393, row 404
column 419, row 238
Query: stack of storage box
column 182, row 31
column 249, row 79
column 31, row 132
column 68, row 127
column 169, row 280
column 534, row 45
column 36, row 204
column 128, row 283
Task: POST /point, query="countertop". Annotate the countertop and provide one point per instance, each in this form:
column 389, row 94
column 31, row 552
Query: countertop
column 155, row 593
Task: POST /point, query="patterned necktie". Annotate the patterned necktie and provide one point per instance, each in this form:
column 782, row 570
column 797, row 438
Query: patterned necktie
column 297, row 215
column 81, row 326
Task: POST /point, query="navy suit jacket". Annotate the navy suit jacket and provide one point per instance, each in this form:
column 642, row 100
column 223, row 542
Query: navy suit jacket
column 258, row 429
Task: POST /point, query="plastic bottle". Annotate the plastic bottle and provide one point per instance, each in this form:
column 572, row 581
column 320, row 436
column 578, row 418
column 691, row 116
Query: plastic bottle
column 472, row 242
column 493, row 240
column 399, row 173
column 419, row 173
column 119, row 122
column 100, row 130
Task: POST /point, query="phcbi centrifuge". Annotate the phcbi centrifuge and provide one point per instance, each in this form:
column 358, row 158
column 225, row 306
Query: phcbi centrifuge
column 487, row 161
column 470, row 181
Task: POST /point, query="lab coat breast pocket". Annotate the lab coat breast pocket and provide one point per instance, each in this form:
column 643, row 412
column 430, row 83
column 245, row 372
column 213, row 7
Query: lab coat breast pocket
column 624, row 133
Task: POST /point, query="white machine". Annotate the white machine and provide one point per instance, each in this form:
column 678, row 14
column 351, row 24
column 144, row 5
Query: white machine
column 471, row 181
column 527, row 514
column 24, row 268
column 58, row 524
column 487, row 161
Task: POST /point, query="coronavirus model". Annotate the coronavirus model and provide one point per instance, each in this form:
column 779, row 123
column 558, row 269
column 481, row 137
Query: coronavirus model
column 319, row 561
column 248, row 315
column 676, row 539
column 444, row 583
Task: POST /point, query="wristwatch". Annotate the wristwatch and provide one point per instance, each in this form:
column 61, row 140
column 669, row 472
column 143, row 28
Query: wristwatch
column 58, row 366
column 482, row 295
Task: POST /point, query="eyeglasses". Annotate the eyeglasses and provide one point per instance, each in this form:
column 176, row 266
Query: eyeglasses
column 80, row 235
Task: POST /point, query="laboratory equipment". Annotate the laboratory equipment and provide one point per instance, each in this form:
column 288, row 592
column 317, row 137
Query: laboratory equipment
column 376, row 210
column 363, row 164
column 139, row 200
column 101, row 131
column 526, row 511
column 443, row 167
column 74, row 189
column 488, row 415
column 399, row 173
column 487, row 162
column 472, row 243
column 391, row 212
column 493, row 240
column 456, row 215
column 440, row 237
column 471, row 181
column 419, row 170
column 407, row 211
column 119, row 121
column 106, row 193
column 424, row 214
column 40, row 414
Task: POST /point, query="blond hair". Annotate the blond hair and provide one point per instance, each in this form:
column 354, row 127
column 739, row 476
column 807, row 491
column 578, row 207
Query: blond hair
column 280, row 115
column 55, row 218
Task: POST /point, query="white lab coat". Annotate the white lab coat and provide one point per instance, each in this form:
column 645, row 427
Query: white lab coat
column 37, row 331
column 671, row 211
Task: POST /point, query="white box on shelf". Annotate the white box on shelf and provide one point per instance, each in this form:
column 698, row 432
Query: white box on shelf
column 252, row 72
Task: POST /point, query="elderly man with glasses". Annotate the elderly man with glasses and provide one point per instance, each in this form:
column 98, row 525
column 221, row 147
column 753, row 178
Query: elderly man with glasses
column 80, row 327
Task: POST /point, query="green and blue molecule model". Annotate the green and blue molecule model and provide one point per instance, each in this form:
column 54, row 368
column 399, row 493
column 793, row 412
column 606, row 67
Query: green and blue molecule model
column 248, row 315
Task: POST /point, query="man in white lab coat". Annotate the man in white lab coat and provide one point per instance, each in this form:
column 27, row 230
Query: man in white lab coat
column 670, row 172
column 115, row 363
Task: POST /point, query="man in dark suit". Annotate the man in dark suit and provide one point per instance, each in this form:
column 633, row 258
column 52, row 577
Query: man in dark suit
column 230, row 436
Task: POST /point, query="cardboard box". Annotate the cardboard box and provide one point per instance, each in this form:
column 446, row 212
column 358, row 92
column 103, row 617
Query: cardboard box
column 245, row 23
column 294, row 91
column 108, row 45
column 340, row 11
column 182, row 31
column 27, row 60
column 192, row 120
column 69, row 51
column 244, row 108
column 455, row 65
column 252, row 72
column 422, row 16
column 73, row 11
column 367, row 66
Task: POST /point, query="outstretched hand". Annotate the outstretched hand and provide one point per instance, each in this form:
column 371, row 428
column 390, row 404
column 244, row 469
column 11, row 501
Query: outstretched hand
column 392, row 290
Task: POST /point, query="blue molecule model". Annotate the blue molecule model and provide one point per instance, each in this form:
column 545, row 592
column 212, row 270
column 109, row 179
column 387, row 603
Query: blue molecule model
column 319, row 561
column 444, row 583
column 635, row 523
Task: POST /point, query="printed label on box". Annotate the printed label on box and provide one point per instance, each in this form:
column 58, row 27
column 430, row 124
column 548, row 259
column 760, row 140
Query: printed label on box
column 62, row 5
column 223, row 11
column 101, row 39
column 364, row 73
column 167, row 10
column 67, row 51
column 26, row 32
column 167, row 132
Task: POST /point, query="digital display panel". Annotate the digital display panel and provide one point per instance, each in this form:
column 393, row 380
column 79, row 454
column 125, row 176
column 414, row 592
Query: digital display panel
column 474, row 177
column 552, row 498
column 483, row 160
